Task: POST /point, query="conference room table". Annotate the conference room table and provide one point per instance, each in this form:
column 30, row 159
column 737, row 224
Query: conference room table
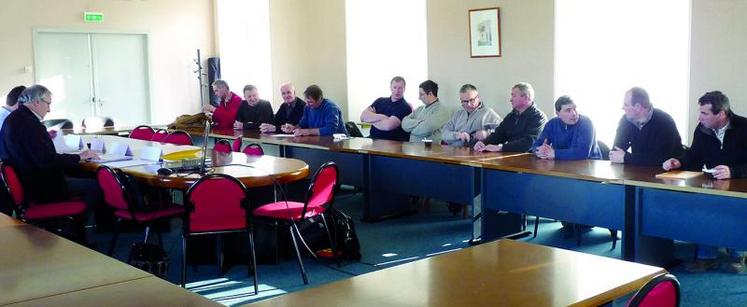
column 501, row 187
column 40, row 268
column 499, row 273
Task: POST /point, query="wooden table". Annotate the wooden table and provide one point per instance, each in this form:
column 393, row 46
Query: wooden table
column 500, row 273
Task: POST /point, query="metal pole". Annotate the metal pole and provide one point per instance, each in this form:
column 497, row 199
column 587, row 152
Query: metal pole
column 198, row 61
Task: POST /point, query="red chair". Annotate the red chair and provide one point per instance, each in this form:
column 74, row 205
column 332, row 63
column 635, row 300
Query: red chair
column 253, row 149
column 217, row 204
column 159, row 135
column 122, row 194
column 222, row 146
column 178, row 138
column 660, row 291
column 319, row 199
column 142, row 132
column 236, row 146
column 37, row 214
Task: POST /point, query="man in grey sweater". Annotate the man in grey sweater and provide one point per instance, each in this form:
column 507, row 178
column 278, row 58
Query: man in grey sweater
column 471, row 123
column 426, row 121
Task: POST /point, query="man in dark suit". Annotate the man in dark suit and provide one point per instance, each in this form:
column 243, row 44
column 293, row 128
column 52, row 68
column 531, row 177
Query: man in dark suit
column 26, row 145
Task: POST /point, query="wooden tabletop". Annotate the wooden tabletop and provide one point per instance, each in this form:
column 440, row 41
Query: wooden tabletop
column 147, row 291
column 109, row 130
column 35, row 263
column 6, row 221
column 506, row 273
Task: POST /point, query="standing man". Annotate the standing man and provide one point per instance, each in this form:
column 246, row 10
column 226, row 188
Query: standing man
column 321, row 116
column 469, row 124
column 26, row 145
column 386, row 113
column 253, row 111
column 426, row 121
column 521, row 127
column 719, row 144
column 290, row 111
column 568, row 136
column 11, row 103
column 228, row 105
column 650, row 133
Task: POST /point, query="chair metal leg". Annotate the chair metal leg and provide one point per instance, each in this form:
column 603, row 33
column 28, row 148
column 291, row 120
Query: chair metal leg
column 184, row 261
column 536, row 225
column 332, row 242
column 613, row 233
column 577, row 230
column 253, row 265
column 147, row 233
column 115, row 236
column 298, row 254
column 219, row 253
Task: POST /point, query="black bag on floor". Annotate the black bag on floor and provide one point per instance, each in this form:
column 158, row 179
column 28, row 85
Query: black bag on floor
column 150, row 258
column 343, row 232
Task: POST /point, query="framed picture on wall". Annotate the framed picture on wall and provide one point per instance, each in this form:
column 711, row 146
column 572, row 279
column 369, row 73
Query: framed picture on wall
column 485, row 32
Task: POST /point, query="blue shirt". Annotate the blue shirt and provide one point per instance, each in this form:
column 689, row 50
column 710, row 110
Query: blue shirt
column 400, row 109
column 327, row 117
column 570, row 142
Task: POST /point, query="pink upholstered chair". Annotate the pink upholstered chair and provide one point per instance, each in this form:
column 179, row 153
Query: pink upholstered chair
column 236, row 145
column 159, row 135
column 253, row 149
column 142, row 132
column 178, row 138
column 217, row 204
column 319, row 199
column 123, row 194
column 38, row 214
column 222, row 146
column 661, row 291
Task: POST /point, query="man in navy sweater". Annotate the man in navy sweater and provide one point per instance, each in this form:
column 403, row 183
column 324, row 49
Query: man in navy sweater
column 386, row 113
column 569, row 136
column 649, row 133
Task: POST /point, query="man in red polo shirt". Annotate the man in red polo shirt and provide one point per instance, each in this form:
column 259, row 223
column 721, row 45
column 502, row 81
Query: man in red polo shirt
column 228, row 105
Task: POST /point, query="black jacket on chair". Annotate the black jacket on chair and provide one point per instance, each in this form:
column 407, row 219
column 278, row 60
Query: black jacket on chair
column 25, row 145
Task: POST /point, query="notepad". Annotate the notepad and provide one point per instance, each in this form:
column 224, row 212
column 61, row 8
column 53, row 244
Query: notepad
column 678, row 175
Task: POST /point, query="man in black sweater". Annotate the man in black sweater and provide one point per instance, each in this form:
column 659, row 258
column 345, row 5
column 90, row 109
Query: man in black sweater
column 649, row 133
column 253, row 111
column 720, row 148
column 518, row 131
column 290, row 112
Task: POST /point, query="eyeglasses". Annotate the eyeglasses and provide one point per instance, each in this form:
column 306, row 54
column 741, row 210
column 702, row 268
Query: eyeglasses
column 470, row 100
column 45, row 101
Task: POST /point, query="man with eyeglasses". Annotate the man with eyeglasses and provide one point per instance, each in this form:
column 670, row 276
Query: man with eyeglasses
column 521, row 127
column 386, row 113
column 469, row 124
column 27, row 147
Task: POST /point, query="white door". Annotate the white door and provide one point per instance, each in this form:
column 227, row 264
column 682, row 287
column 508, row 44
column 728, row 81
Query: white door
column 95, row 74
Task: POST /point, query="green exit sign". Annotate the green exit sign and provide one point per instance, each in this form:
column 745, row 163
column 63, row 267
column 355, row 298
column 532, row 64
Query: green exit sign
column 93, row 17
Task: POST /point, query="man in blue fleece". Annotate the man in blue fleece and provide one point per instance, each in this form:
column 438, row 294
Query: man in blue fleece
column 321, row 116
column 568, row 136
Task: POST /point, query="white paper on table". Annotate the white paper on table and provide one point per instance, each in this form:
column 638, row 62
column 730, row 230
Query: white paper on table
column 119, row 149
column 97, row 145
column 60, row 144
column 128, row 163
column 151, row 153
column 283, row 135
column 73, row 142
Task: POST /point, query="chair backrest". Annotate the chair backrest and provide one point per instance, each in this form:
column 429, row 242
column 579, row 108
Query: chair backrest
column 353, row 129
column 112, row 187
column 97, row 122
column 178, row 138
column 142, row 132
column 159, row 135
column 253, row 149
column 604, row 149
column 66, row 123
column 661, row 291
column 216, row 202
column 322, row 188
column 236, row 145
column 12, row 185
column 223, row 146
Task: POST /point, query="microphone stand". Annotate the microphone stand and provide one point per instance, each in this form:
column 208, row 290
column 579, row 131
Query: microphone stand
column 203, row 166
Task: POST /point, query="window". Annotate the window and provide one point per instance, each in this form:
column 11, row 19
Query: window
column 603, row 48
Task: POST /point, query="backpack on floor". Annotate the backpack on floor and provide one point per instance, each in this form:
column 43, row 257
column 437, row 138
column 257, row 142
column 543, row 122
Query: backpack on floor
column 344, row 235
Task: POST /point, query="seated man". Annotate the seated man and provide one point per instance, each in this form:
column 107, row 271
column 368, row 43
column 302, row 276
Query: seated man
column 386, row 113
column 25, row 145
column 253, row 111
column 321, row 116
column 11, row 103
column 521, row 127
column 568, row 136
column 426, row 121
column 290, row 111
column 718, row 144
column 469, row 124
column 224, row 115
column 650, row 133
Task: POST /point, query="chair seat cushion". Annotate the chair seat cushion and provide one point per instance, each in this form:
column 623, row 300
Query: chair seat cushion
column 147, row 216
column 290, row 210
column 54, row 210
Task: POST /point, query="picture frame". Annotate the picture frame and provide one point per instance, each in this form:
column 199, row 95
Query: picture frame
column 484, row 32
